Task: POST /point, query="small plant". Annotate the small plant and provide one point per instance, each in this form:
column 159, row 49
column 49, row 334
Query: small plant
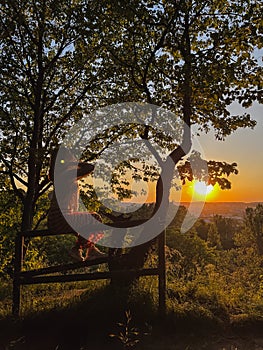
column 14, row 343
column 128, row 336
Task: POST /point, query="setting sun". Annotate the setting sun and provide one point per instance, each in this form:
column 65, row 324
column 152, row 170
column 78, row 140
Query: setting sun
column 202, row 188
column 196, row 191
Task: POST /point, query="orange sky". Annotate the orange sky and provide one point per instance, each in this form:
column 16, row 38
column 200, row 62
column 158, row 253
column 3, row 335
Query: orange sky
column 245, row 147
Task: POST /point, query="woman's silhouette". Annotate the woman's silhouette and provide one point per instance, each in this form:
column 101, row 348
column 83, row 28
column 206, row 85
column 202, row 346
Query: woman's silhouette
column 65, row 215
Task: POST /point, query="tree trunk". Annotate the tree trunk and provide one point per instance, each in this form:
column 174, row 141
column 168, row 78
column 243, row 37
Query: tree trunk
column 138, row 254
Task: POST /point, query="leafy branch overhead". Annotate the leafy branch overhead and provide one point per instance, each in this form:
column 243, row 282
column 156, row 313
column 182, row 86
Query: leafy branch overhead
column 62, row 60
column 217, row 173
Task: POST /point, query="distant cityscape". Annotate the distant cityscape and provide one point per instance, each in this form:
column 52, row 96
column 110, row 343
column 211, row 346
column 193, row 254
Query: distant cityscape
column 234, row 210
column 205, row 211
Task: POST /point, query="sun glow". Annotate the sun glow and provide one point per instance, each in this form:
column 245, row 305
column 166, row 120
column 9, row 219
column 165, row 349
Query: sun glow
column 202, row 191
column 201, row 187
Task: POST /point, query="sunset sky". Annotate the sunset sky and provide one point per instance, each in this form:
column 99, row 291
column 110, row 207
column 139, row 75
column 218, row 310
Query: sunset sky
column 245, row 147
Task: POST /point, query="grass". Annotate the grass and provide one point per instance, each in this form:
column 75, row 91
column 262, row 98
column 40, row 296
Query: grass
column 81, row 316
column 79, row 313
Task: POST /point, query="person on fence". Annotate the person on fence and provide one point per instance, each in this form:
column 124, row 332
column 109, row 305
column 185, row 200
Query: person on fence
column 66, row 214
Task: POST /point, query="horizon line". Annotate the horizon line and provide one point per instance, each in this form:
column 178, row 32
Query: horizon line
column 205, row 202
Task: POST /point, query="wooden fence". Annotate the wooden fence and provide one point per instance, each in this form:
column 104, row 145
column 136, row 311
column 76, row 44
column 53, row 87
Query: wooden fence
column 46, row 275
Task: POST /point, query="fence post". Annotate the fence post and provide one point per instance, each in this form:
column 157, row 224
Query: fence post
column 19, row 244
column 162, row 273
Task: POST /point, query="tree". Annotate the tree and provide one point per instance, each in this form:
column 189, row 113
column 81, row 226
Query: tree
column 226, row 228
column 195, row 59
column 213, row 237
column 189, row 253
column 10, row 217
column 202, row 228
column 61, row 59
column 51, row 54
column 254, row 222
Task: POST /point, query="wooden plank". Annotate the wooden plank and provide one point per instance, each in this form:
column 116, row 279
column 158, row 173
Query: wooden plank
column 43, row 233
column 68, row 267
column 86, row 276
